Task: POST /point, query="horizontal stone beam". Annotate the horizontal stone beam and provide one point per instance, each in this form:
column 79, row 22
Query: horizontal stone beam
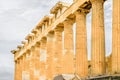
column 71, row 10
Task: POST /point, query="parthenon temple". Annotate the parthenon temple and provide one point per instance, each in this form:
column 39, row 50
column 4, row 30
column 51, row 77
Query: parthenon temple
column 48, row 51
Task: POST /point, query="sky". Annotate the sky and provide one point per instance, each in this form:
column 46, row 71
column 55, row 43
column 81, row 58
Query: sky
column 19, row 17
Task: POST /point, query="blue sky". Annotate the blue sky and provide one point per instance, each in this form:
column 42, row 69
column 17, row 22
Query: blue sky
column 19, row 17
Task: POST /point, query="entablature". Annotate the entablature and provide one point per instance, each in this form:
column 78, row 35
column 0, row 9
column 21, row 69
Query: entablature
column 87, row 5
column 17, row 51
column 58, row 6
column 43, row 24
column 35, row 32
column 43, row 21
column 58, row 9
column 24, row 42
column 14, row 51
column 30, row 37
column 19, row 47
column 71, row 10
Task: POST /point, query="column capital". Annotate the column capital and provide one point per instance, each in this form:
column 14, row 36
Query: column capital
column 82, row 11
column 37, row 44
column 16, row 61
column 28, row 50
column 59, row 29
column 33, row 48
column 69, row 20
column 43, row 39
column 34, row 31
column 50, row 34
column 92, row 1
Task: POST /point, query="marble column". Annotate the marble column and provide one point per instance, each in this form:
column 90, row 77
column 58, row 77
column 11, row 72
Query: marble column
column 98, row 38
column 58, row 49
column 32, row 63
column 37, row 60
column 49, row 59
column 27, row 64
column 24, row 65
column 23, row 62
column 116, row 37
column 20, row 69
column 43, row 58
column 16, row 70
column 81, row 44
column 68, row 58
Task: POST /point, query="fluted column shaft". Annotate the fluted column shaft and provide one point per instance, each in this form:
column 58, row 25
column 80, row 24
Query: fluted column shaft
column 32, row 63
column 28, row 67
column 16, row 70
column 27, row 63
column 81, row 44
column 58, row 47
column 43, row 58
column 98, row 38
column 68, row 47
column 23, row 62
column 23, row 66
column 116, row 37
column 20, row 70
column 49, row 62
column 37, row 60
